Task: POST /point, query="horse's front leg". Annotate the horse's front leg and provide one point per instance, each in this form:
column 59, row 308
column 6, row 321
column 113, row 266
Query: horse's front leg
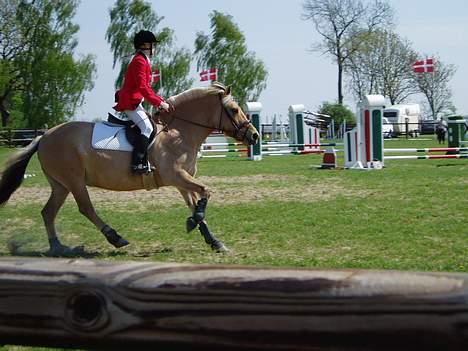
column 196, row 196
column 198, row 214
column 210, row 239
column 193, row 201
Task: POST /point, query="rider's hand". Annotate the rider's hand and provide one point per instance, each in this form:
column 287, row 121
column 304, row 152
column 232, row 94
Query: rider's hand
column 166, row 107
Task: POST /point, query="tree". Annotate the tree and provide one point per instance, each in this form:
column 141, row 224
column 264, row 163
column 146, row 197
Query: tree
column 337, row 112
column 11, row 47
column 37, row 56
column 225, row 49
column 127, row 17
column 383, row 65
column 338, row 21
column 435, row 88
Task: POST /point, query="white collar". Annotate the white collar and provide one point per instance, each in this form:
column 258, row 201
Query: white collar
column 147, row 58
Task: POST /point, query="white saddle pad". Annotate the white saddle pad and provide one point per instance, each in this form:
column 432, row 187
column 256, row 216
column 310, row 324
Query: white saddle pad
column 108, row 136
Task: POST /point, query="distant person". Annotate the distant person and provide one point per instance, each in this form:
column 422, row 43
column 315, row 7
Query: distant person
column 136, row 88
column 441, row 130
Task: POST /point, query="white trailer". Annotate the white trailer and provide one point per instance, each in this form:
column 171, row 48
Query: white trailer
column 400, row 114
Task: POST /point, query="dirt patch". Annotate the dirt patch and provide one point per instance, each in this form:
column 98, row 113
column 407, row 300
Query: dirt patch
column 225, row 191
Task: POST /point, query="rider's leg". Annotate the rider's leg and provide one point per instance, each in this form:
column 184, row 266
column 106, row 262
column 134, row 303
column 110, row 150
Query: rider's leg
column 139, row 156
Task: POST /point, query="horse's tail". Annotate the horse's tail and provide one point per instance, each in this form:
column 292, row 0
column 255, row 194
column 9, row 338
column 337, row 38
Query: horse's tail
column 13, row 174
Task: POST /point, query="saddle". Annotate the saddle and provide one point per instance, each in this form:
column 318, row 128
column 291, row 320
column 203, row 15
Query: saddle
column 132, row 131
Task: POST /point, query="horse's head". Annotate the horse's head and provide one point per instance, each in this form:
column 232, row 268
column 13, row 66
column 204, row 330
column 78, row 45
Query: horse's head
column 212, row 108
column 233, row 120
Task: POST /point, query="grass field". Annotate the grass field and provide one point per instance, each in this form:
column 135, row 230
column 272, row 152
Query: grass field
column 282, row 211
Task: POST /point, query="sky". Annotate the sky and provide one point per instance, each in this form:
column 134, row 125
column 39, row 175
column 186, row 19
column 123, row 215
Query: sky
column 278, row 36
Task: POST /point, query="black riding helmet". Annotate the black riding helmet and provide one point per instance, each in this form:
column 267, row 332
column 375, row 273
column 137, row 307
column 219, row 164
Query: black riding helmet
column 143, row 36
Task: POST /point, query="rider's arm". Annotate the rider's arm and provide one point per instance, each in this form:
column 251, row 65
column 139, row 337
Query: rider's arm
column 144, row 85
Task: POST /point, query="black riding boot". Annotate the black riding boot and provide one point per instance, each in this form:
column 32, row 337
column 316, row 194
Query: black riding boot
column 139, row 156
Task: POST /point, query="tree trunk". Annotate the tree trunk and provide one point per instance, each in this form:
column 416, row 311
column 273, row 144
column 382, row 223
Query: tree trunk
column 340, row 83
column 5, row 114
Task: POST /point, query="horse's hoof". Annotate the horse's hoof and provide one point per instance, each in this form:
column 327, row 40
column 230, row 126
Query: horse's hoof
column 113, row 238
column 218, row 246
column 120, row 243
column 77, row 250
column 190, row 224
column 59, row 250
column 117, row 241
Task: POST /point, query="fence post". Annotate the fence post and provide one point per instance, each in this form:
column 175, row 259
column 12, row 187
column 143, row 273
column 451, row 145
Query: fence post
column 10, row 137
column 407, row 127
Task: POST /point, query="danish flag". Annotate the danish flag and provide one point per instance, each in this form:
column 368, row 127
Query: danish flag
column 424, row 66
column 156, row 76
column 209, row 74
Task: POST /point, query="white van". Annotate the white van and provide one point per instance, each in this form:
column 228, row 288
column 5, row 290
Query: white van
column 399, row 114
column 387, row 128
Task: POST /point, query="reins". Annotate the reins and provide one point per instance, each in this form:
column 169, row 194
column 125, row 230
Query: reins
column 237, row 127
column 174, row 117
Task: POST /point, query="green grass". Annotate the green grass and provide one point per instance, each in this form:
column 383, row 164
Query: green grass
column 282, row 211
column 410, row 216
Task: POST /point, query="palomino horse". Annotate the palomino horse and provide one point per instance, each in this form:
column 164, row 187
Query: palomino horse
column 70, row 163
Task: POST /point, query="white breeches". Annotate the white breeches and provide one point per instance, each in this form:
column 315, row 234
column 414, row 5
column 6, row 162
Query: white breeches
column 141, row 119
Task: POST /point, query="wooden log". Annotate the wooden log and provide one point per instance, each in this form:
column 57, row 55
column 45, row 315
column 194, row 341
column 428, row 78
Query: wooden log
column 138, row 305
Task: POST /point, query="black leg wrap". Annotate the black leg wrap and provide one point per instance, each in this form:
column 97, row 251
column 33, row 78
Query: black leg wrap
column 190, row 224
column 54, row 242
column 206, row 233
column 210, row 239
column 198, row 215
column 112, row 237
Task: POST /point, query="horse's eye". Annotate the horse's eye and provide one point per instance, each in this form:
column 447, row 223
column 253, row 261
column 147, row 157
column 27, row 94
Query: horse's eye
column 235, row 110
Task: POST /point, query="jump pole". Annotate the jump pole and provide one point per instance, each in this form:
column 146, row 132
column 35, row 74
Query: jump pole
column 425, row 157
column 104, row 305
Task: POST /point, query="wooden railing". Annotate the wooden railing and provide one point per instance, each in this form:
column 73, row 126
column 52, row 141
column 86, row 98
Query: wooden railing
column 18, row 137
column 138, row 305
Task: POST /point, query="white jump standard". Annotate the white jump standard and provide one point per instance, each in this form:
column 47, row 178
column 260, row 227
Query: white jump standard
column 364, row 144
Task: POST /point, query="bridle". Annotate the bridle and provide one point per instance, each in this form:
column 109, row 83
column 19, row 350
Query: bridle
column 240, row 129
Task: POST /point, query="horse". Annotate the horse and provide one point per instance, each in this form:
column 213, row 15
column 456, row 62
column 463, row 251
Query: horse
column 70, row 164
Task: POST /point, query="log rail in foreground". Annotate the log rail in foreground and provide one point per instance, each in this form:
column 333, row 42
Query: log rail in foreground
column 137, row 305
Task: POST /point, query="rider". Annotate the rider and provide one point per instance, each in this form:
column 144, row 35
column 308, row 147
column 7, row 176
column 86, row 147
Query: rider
column 136, row 88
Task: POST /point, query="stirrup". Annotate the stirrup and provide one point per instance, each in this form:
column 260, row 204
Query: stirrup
column 141, row 168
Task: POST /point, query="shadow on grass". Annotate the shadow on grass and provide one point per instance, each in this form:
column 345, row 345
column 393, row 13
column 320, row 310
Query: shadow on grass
column 16, row 249
column 448, row 165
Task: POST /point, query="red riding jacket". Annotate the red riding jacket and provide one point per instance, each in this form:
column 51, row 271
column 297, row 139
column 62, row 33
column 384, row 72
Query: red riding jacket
column 137, row 85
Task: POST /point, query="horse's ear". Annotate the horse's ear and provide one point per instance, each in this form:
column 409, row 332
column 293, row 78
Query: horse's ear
column 228, row 90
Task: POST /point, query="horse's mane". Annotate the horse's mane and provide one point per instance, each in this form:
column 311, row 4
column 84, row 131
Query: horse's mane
column 197, row 93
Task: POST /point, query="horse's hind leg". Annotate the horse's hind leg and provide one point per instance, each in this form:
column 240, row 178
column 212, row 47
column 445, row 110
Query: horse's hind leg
column 49, row 213
column 191, row 199
column 86, row 208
